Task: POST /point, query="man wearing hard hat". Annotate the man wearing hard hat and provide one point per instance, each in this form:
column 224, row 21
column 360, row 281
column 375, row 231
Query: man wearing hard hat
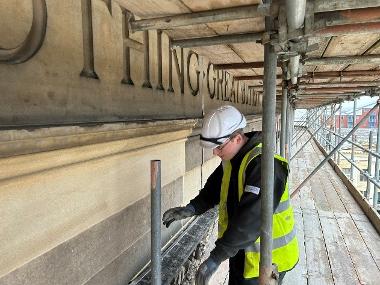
column 235, row 186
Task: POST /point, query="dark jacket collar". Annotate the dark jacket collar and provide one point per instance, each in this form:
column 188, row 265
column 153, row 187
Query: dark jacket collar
column 254, row 138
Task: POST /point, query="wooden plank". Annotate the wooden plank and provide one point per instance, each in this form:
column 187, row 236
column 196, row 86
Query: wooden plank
column 369, row 234
column 331, row 195
column 366, row 267
column 318, row 266
column 299, row 273
column 340, row 260
column 306, row 197
column 345, row 196
column 319, row 197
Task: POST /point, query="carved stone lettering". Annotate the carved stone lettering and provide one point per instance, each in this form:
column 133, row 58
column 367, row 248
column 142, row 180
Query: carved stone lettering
column 33, row 42
column 170, row 57
column 146, row 83
column 233, row 93
column 179, row 69
column 88, row 38
column 194, row 91
column 219, row 80
column 211, row 94
column 243, row 93
column 159, row 61
column 127, row 54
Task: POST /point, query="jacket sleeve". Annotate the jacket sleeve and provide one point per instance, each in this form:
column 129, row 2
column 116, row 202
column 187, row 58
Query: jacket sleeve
column 244, row 227
column 209, row 196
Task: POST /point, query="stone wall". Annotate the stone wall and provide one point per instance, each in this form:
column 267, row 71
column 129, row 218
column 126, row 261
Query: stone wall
column 87, row 67
column 76, row 139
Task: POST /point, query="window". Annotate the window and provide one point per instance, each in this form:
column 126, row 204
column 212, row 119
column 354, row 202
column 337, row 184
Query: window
column 347, row 171
column 362, row 176
column 350, row 121
column 371, row 121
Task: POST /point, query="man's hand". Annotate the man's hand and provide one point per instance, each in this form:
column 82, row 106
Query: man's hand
column 205, row 271
column 176, row 214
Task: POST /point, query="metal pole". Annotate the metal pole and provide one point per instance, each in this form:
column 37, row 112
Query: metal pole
column 296, row 137
column 369, row 167
column 267, row 170
column 284, row 128
column 339, row 132
column 334, row 150
column 155, row 201
column 218, row 40
column 291, row 129
column 353, row 139
column 377, row 163
column 201, row 17
column 303, row 123
column 312, row 136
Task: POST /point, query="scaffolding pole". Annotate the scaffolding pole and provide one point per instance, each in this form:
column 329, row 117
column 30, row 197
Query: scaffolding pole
column 334, row 150
column 155, row 201
column 284, row 129
column 266, row 269
column 353, row 139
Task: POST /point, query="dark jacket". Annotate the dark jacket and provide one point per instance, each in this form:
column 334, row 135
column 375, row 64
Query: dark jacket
column 244, row 217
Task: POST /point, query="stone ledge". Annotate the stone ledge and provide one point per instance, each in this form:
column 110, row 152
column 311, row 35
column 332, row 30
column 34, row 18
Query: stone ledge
column 27, row 141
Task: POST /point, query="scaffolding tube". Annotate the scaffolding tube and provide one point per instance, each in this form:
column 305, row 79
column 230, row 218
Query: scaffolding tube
column 334, row 150
column 365, row 173
column 313, row 134
column 267, row 171
column 155, row 201
column 375, row 154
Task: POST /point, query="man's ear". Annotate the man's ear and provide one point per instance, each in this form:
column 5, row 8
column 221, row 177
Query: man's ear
column 239, row 138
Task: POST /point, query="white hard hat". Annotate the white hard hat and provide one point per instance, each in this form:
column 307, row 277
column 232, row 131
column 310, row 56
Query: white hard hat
column 220, row 124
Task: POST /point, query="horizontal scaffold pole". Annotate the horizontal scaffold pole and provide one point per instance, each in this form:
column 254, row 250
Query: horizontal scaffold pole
column 332, row 5
column 334, row 150
column 202, row 17
column 217, row 40
column 359, row 59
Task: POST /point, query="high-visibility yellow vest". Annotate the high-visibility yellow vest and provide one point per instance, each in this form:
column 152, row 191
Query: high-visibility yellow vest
column 285, row 245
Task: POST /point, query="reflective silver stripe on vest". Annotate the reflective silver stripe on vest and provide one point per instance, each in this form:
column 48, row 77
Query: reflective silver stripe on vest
column 277, row 242
column 283, row 206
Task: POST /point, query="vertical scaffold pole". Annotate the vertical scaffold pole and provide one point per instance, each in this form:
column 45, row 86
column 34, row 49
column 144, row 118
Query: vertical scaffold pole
column 155, row 202
column 352, row 145
column 375, row 189
column 339, row 132
column 369, row 167
column 284, row 128
column 267, row 170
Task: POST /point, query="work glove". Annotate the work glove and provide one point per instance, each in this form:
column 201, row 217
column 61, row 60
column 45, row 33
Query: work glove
column 205, row 271
column 176, row 214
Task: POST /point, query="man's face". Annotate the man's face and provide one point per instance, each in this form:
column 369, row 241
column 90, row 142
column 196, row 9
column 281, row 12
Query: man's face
column 228, row 149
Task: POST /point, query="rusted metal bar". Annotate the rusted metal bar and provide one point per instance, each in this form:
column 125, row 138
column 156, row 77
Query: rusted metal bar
column 353, row 16
column 218, row 40
column 361, row 28
column 359, row 59
column 202, row 17
column 332, row 5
